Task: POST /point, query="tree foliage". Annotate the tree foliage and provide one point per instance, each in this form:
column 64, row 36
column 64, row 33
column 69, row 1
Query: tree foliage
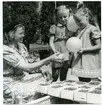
column 25, row 13
column 37, row 25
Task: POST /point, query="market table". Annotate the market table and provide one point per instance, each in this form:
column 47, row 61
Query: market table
column 73, row 90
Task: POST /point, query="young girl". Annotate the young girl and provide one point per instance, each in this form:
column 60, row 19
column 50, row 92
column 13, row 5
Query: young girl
column 86, row 65
column 58, row 36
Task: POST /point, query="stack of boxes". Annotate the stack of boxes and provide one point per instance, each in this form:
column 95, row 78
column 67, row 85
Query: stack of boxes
column 74, row 90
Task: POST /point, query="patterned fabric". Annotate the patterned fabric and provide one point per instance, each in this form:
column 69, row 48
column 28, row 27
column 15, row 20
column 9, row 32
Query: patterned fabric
column 61, row 34
column 88, row 64
column 25, row 89
column 12, row 58
column 20, row 84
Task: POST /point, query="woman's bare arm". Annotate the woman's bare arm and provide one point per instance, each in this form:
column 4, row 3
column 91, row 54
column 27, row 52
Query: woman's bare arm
column 28, row 67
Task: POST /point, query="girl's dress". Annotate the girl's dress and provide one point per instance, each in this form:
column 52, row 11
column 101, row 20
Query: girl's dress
column 88, row 65
column 61, row 34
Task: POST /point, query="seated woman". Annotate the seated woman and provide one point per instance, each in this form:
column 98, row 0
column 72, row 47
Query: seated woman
column 16, row 62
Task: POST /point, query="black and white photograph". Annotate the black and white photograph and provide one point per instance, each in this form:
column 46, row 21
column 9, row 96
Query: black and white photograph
column 51, row 52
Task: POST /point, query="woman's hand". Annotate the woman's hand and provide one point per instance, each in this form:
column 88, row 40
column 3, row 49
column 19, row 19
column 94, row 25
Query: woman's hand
column 57, row 57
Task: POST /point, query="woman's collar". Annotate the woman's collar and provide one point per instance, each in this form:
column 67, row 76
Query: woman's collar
column 14, row 46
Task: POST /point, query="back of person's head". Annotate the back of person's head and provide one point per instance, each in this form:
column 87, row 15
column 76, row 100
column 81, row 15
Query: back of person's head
column 83, row 11
column 89, row 14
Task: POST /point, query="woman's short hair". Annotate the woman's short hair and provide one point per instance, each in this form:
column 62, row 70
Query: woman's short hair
column 17, row 26
column 11, row 27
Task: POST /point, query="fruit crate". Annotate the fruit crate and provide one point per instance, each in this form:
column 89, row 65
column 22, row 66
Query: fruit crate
column 43, row 88
column 68, row 92
column 75, row 90
column 81, row 94
column 55, row 90
column 94, row 96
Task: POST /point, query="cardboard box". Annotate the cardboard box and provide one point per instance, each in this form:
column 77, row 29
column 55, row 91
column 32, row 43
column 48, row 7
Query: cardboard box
column 94, row 96
column 55, row 90
column 68, row 92
column 43, row 88
column 81, row 95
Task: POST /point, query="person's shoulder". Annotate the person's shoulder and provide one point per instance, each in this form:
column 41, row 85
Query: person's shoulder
column 53, row 26
column 57, row 25
column 52, row 29
column 21, row 44
column 7, row 49
column 95, row 32
column 92, row 27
